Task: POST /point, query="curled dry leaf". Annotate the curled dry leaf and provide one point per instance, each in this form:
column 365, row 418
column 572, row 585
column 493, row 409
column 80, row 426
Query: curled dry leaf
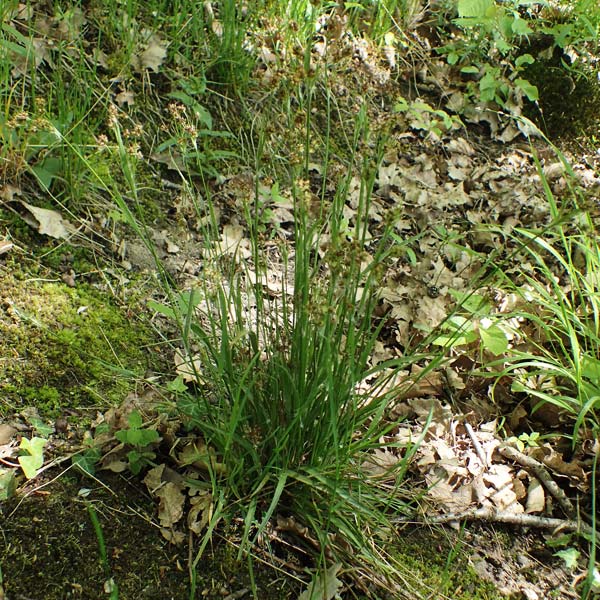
column 556, row 463
column 8, row 192
column 188, row 368
column 154, row 479
column 6, row 433
column 170, row 509
column 233, row 242
column 201, row 512
column 324, row 586
column 126, row 97
column 201, row 457
column 380, row 462
column 152, row 56
column 47, row 222
column 536, row 497
column 171, row 535
column 6, row 246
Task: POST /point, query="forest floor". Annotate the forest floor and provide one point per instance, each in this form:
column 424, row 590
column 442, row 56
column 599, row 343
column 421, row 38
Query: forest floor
column 80, row 348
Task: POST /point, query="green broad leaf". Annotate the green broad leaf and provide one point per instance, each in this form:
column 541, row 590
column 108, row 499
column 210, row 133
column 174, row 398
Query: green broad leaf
column 524, row 59
column 135, row 419
column 494, row 340
column 41, row 428
column 149, row 436
column 8, row 484
column 562, row 540
column 187, row 301
column 182, row 97
column 528, row 89
column 452, row 341
column 517, row 442
column 135, row 461
column 470, row 70
column 562, row 34
column 453, row 58
column 503, row 46
column 401, row 105
column 590, row 368
column 475, row 8
column 520, row 27
column 34, row 459
column 489, row 82
column 134, row 437
column 47, row 171
column 177, row 385
column 570, row 556
column 276, row 194
column 472, row 303
column 87, row 460
column 458, row 322
column 195, row 85
column 122, row 436
column 419, row 106
column 162, row 309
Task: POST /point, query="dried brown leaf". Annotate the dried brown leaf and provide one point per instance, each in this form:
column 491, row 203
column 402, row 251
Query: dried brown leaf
column 6, row 433
column 536, row 497
column 170, row 509
column 200, row 513
column 47, row 222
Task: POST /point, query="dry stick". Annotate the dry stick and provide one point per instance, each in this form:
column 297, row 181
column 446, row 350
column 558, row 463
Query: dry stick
column 499, row 516
column 477, row 445
column 540, row 471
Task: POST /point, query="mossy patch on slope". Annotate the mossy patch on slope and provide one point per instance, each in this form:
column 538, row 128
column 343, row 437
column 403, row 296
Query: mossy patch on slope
column 64, row 347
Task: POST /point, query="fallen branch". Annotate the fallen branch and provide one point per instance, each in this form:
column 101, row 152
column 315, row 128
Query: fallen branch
column 499, row 516
column 540, row 471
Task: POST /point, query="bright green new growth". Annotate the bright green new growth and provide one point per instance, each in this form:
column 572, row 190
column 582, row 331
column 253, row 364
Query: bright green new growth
column 33, row 457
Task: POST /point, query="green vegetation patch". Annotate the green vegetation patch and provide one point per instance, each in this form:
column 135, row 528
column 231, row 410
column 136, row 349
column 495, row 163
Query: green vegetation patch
column 63, row 347
column 435, row 564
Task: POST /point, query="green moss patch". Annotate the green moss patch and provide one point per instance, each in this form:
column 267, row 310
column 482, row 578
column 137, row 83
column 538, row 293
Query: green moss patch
column 64, row 347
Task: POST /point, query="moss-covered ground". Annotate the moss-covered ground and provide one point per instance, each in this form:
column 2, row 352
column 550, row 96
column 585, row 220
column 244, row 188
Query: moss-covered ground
column 64, row 347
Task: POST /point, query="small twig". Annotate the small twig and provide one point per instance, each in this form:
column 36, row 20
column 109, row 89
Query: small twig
column 171, row 185
column 540, row 471
column 236, row 595
column 476, row 445
column 52, row 463
column 498, row 516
